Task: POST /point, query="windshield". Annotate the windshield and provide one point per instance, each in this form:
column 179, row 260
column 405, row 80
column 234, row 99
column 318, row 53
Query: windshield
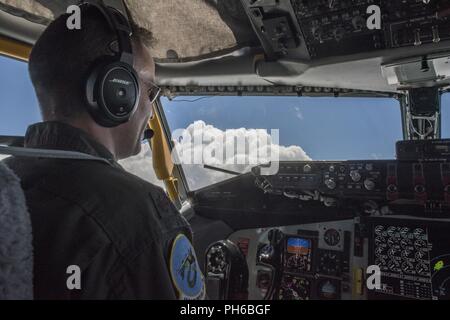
column 296, row 128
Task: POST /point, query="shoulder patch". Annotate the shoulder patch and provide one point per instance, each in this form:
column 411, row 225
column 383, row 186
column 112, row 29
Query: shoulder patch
column 185, row 271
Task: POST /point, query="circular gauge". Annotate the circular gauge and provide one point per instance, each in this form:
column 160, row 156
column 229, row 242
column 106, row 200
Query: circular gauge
column 422, row 269
column 420, row 254
column 297, row 262
column 379, row 230
column 381, row 262
column 379, row 251
column 332, row 237
column 294, row 289
column 216, row 259
column 406, row 253
column 393, row 253
column 391, row 242
column 404, row 243
column 328, row 290
column 391, row 231
column 420, row 244
column 380, row 240
column 418, row 233
column 407, row 267
column 404, row 232
column 394, row 266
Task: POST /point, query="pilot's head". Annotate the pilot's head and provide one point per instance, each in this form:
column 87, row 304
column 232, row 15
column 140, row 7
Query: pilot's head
column 59, row 64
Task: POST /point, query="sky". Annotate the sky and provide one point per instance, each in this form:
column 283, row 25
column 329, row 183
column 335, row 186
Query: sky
column 310, row 128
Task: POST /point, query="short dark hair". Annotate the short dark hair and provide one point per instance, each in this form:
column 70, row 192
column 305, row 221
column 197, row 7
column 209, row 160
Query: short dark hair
column 61, row 59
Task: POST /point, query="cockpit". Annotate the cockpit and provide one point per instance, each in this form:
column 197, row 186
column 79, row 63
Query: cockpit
column 306, row 142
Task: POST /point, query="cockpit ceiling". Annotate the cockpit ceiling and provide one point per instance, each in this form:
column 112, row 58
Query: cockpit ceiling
column 183, row 30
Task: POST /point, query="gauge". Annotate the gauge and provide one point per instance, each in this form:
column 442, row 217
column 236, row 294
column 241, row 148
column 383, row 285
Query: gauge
column 394, row 266
column 379, row 251
column 393, row 253
column 404, row 232
column 297, row 262
column 380, row 240
column 407, row 267
column 379, row 230
column 420, row 254
column 418, row 233
column 404, row 243
column 328, row 289
column 406, row 253
column 420, row 244
column 422, row 269
column 329, row 262
column 381, row 262
column 332, row 237
column 293, row 288
column 391, row 242
column 391, row 231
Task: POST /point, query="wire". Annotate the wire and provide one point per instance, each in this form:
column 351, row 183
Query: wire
column 195, row 100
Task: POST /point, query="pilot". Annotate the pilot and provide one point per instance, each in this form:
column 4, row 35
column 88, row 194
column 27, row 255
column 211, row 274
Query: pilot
column 98, row 231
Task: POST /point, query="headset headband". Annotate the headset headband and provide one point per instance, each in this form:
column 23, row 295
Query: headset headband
column 117, row 18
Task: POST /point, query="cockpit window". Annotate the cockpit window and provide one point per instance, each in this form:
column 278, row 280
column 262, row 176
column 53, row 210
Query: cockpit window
column 18, row 104
column 445, row 116
column 297, row 128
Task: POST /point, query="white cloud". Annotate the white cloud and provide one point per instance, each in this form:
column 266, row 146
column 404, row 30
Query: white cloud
column 142, row 166
column 199, row 177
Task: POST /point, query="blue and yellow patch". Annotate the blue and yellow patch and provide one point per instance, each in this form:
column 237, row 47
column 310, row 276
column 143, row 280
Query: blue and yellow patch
column 185, row 270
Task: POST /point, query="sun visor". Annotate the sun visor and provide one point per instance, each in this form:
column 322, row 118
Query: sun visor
column 183, row 30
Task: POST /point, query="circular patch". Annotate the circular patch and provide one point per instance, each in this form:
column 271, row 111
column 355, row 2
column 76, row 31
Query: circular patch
column 185, row 271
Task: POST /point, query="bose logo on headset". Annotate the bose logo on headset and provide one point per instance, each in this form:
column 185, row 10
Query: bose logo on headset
column 127, row 83
column 112, row 86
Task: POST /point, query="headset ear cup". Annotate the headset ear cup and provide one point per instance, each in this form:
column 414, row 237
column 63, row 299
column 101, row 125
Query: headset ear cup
column 112, row 93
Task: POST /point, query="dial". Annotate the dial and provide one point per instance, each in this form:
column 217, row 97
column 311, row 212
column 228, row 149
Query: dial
column 329, row 262
column 379, row 230
column 420, row 254
column 293, row 288
column 296, row 262
column 380, row 241
column 422, row 269
column 418, row 233
column 404, row 232
column 328, row 289
column 405, row 243
column 394, row 266
column 332, row 237
column 391, row 231
column 408, row 267
column 420, row 244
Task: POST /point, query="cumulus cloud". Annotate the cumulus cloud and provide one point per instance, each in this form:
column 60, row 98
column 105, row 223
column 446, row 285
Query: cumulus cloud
column 142, row 166
column 259, row 148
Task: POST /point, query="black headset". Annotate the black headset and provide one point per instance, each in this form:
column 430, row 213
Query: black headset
column 112, row 85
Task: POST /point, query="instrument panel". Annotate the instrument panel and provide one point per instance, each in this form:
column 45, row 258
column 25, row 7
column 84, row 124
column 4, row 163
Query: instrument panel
column 323, row 28
column 422, row 184
column 303, row 263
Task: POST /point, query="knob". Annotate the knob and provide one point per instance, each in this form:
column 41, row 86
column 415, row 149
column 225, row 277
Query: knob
column 419, row 188
column 267, row 254
column 369, row 184
column 392, row 188
column 355, row 175
column 331, row 184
